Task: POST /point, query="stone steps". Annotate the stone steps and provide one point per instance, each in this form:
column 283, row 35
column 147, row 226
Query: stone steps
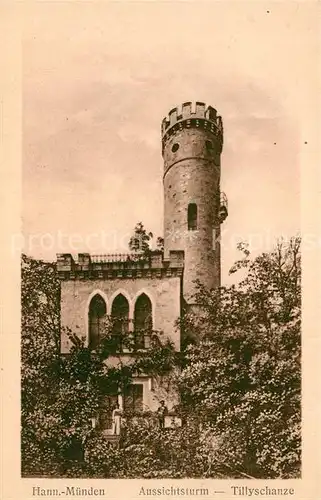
column 111, row 438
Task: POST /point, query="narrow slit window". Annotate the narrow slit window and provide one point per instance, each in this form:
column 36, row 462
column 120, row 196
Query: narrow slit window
column 192, row 217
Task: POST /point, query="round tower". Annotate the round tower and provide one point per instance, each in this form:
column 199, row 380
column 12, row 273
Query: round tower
column 192, row 140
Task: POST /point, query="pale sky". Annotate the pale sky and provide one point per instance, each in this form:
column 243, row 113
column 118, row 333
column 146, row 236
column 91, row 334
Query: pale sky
column 99, row 77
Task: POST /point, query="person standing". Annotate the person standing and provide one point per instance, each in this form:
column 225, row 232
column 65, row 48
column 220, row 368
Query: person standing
column 162, row 411
column 116, row 420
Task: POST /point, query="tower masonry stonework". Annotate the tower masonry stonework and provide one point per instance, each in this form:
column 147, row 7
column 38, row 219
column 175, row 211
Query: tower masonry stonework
column 192, row 141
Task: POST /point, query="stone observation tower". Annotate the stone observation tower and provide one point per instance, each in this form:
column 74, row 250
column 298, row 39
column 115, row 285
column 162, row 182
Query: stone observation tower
column 194, row 208
column 144, row 294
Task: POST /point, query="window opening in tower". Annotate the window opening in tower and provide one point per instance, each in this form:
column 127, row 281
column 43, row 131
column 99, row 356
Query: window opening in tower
column 192, row 217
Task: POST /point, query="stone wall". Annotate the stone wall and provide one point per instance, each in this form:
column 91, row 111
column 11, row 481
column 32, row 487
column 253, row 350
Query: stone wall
column 163, row 292
column 192, row 175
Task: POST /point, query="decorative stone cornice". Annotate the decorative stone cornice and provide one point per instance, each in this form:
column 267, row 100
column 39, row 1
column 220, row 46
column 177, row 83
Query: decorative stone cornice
column 111, row 267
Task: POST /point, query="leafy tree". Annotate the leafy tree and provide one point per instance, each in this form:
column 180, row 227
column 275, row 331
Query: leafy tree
column 149, row 452
column 160, row 244
column 59, row 394
column 40, row 338
column 139, row 243
column 242, row 378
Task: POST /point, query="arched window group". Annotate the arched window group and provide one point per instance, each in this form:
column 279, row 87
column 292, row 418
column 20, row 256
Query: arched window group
column 192, row 217
column 139, row 327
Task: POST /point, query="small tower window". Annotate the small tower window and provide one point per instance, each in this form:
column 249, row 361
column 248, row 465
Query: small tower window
column 175, row 147
column 192, row 217
column 209, row 145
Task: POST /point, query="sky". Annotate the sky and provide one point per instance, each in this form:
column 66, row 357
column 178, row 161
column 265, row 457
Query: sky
column 98, row 78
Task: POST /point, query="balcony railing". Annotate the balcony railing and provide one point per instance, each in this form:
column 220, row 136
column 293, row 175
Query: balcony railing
column 104, row 421
column 114, row 257
column 131, row 342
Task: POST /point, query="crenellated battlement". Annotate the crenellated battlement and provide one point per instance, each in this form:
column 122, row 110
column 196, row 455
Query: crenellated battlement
column 115, row 266
column 192, row 115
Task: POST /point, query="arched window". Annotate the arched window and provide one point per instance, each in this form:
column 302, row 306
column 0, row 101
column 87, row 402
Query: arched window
column 97, row 313
column 142, row 320
column 192, row 217
column 120, row 313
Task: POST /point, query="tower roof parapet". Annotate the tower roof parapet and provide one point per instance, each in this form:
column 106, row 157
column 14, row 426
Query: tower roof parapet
column 192, row 114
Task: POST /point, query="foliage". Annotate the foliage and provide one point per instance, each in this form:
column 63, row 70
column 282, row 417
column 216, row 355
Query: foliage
column 243, row 377
column 149, row 452
column 39, row 351
column 140, row 242
column 160, row 243
column 159, row 359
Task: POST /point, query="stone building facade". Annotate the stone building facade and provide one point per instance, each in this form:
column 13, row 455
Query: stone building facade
column 144, row 294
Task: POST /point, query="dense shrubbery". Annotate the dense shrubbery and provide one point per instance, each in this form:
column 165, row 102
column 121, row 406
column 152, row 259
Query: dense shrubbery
column 243, row 378
column 239, row 386
column 148, row 452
